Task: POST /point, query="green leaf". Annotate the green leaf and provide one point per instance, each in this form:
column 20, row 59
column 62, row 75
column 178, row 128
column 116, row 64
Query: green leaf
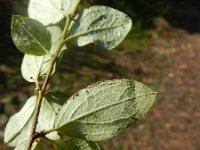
column 16, row 131
column 104, row 109
column 30, row 36
column 53, row 136
column 18, row 127
column 51, row 11
column 36, row 67
column 23, row 146
column 77, row 144
column 105, row 27
column 51, row 105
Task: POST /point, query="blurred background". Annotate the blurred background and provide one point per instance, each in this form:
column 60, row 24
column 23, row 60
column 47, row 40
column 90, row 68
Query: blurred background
column 162, row 51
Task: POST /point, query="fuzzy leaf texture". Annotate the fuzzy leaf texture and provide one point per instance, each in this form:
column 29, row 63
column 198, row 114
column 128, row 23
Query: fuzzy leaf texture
column 51, row 11
column 30, row 36
column 102, row 26
column 34, row 68
column 77, row 144
column 23, row 146
column 18, row 127
column 104, row 109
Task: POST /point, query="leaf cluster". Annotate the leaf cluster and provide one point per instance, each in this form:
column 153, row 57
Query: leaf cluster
column 98, row 112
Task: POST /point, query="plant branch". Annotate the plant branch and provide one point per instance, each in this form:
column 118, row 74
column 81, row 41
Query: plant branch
column 41, row 91
column 40, row 94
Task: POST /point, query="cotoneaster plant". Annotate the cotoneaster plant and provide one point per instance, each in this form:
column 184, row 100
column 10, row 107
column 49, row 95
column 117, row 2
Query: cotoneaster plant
column 98, row 112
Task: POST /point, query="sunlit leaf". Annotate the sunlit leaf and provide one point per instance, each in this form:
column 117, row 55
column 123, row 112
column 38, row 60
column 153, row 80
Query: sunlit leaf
column 51, row 11
column 77, row 144
column 18, row 127
column 53, row 135
column 103, row 26
column 16, row 131
column 104, row 109
column 30, row 36
column 36, row 67
column 23, row 146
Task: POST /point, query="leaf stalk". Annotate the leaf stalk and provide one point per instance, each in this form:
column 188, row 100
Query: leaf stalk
column 41, row 91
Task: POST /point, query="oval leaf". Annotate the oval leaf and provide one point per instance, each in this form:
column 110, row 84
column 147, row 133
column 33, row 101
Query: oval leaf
column 103, row 26
column 51, row 11
column 23, row 146
column 30, row 36
column 19, row 125
column 77, row 144
column 36, row 67
column 104, row 109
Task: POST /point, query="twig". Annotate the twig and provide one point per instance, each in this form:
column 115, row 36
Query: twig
column 41, row 91
column 40, row 95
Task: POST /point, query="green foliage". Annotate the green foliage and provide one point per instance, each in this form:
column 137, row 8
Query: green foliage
column 51, row 11
column 14, row 132
column 18, row 127
column 95, row 113
column 104, row 109
column 36, row 67
column 35, row 146
column 76, row 144
column 30, row 36
column 105, row 29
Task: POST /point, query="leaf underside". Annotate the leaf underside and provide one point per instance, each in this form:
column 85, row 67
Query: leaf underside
column 30, row 36
column 35, row 68
column 17, row 130
column 102, row 26
column 77, row 144
column 104, row 109
column 51, row 11
column 95, row 113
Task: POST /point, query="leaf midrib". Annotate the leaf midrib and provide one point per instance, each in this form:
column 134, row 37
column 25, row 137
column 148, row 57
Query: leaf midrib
column 17, row 133
column 100, row 108
column 30, row 34
column 95, row 30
